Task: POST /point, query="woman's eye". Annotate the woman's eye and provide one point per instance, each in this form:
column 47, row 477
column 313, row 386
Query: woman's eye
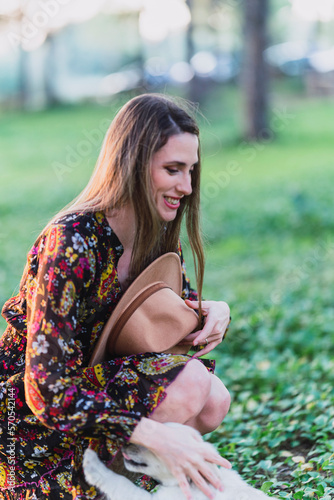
column 172, row 170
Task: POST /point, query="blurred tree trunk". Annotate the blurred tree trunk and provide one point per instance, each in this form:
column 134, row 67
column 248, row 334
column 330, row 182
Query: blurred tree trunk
column 190, row 31
column 254, row 74
column 50, row 72
column 193, row 87
column 21, row 98
column 198, row 86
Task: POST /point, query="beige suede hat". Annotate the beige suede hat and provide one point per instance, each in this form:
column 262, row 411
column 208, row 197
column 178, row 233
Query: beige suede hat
column 151, row 316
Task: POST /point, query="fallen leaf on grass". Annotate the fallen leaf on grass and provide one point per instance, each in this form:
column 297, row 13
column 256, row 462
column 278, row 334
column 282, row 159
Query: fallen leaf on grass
column 307, row 467
column 298, row 459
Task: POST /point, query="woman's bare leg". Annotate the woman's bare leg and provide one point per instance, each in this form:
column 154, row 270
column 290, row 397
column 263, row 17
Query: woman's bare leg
column 215, row 409
column 196, row 398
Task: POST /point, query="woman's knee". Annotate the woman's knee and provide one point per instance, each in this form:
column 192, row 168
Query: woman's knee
column 216, row 407
column 194, row 386
column 187, row 394
column 219, row 398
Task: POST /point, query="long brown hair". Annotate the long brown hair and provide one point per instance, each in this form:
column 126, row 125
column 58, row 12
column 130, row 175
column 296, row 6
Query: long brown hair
column 122, row 174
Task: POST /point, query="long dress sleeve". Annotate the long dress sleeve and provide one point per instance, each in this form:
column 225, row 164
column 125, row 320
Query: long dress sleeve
column 57, row 383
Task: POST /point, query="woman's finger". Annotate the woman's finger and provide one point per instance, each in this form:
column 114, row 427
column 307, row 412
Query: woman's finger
column 203, row 485
column 212, row 330
column 202, row 472
column 211, row 475
column 205, row 333
column 206, row 349
column 184, row 485
column 194, row 304
column 189, row 339
column 210, row 454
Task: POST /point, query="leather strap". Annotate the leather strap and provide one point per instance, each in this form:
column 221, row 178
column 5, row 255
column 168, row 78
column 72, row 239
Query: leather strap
column 137, row 302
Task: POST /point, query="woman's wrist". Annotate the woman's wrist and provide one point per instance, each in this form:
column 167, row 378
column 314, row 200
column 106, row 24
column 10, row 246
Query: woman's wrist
column 146, row 433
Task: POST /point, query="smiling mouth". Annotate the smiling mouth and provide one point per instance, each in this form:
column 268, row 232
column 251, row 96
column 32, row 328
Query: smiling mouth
column 173, row 202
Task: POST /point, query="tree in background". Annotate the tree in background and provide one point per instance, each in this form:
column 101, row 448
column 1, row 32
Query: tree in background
column 250, row 19
column 254, row 79
column 195, row 86
column 32, row 24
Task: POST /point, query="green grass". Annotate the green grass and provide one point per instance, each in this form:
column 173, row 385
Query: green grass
column 269, row 229
column 271, row 255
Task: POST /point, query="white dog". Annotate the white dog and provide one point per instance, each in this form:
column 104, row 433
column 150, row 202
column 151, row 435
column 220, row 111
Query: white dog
column 140, row 459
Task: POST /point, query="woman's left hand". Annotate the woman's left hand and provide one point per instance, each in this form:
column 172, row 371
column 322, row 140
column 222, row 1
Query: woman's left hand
column 216, row 324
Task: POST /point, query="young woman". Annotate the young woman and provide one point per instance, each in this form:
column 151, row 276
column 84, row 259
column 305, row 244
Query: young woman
column 53, row 406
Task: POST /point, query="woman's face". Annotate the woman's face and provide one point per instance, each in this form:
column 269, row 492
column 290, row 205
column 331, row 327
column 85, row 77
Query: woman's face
column 171, row 170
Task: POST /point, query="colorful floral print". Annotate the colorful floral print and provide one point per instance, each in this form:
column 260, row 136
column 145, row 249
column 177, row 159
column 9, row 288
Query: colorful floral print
column 61, row 406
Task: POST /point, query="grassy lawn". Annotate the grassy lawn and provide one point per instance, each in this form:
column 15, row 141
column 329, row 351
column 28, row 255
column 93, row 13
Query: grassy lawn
column 268, row 222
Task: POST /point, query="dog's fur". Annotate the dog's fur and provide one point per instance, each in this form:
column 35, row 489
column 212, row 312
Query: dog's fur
column 140, row 459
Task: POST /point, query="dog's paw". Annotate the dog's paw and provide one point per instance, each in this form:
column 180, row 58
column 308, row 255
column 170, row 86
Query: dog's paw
column 93, row 467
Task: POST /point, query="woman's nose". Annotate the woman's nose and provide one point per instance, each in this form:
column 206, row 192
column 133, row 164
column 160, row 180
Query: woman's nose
column 184, row 185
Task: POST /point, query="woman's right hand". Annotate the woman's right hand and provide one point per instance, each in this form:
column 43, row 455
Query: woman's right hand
column 184, row 452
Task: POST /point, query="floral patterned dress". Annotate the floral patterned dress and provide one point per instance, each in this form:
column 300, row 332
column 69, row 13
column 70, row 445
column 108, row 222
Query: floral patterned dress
column 52, row 405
